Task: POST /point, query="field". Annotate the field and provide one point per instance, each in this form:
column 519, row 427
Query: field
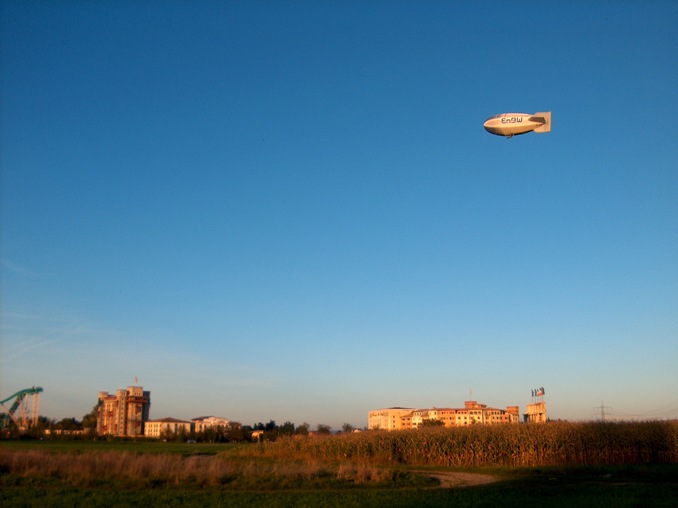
column 558, row 464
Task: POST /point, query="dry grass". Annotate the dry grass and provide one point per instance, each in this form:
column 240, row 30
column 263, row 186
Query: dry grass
column 146, row 470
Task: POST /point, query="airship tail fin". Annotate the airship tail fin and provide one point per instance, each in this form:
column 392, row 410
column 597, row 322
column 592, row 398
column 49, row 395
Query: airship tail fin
column 545, row 118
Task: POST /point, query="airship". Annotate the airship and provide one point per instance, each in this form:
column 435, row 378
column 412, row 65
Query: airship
column 513, row 124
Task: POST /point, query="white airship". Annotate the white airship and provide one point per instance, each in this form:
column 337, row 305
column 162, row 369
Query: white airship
column 513, row 124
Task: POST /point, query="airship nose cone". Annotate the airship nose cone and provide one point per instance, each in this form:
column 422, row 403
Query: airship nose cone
column 489, row 127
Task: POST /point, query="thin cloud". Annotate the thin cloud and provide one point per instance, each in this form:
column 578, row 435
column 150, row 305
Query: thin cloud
column 24, row 348
column 18, row 269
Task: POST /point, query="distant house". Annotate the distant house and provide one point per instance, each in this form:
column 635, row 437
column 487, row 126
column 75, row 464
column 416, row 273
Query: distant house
column 64, row 432
column 156, row 428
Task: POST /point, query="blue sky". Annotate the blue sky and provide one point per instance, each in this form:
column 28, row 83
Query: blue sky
column 291, row 210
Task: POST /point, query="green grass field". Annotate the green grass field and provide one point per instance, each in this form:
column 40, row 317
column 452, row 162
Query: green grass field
column 606, row 487
column 138, row 446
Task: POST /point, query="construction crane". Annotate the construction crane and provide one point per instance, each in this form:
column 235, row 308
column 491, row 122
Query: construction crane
column 20, row 411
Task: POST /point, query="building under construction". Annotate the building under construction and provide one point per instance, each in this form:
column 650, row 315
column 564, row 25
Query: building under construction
column 536, row 413
column 536, row 410
column 124, row 413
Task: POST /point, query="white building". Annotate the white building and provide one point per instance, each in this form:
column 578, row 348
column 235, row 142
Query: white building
column 392, row 418
column 156, row 428
column 203, row 423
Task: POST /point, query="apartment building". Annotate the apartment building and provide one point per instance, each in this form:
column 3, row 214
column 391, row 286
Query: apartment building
column 125, row 413
column 472, row 413
column 393, row 418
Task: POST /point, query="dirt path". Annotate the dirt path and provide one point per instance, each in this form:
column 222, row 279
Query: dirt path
column 455, row 479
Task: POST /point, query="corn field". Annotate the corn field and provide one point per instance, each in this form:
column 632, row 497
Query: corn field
column 551, row 444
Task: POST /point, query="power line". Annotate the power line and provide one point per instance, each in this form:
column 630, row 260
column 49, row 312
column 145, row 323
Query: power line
column 600, row 410
column 667, row 409
column 670, row 408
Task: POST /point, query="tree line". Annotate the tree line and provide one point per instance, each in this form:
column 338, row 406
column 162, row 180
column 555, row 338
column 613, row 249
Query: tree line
column 232, row 433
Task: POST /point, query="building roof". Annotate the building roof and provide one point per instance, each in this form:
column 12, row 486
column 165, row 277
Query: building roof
column 168, row 419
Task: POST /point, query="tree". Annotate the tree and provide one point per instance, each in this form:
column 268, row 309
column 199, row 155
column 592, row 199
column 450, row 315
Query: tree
column 235, row 432
column 286, row 429
column 208, row 435
column 89, row 421
column 302, row 430
column 68, row 424
column 433, row 423
column 347, row 427
column 324, row 429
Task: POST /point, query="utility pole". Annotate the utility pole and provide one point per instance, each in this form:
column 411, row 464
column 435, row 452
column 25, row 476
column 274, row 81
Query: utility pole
column 601, row 410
